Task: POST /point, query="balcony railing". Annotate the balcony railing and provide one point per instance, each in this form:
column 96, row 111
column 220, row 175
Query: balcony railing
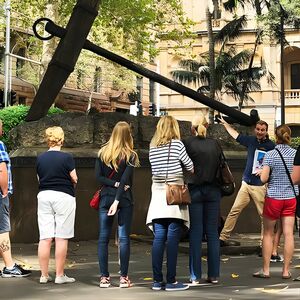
column 292, row 95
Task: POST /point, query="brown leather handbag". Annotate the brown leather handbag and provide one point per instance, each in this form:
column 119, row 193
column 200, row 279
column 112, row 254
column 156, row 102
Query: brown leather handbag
column 176, row 194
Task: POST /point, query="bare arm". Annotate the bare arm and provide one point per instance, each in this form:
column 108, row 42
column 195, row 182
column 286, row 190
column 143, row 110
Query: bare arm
column 73, row 176
column 229, row 129
column 296, row 174
column 265, row 173
column 3, row 179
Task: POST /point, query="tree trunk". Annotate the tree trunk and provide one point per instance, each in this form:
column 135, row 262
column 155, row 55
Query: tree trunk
column 249, row 73
column 212, row 77
column 48, row 45
column 257, row 7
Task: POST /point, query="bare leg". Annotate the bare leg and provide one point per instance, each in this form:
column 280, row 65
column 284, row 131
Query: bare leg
column 44, row 255
column 267, row 244
column 277, row 237
column 61, row 248
column 288, row 250
column 5, row 249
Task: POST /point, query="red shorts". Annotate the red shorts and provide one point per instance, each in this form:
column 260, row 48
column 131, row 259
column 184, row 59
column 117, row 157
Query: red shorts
column 274, row 209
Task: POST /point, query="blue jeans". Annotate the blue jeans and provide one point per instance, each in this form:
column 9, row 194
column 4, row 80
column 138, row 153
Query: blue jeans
column 204, row 217
column 165, row 230
column 105, row 227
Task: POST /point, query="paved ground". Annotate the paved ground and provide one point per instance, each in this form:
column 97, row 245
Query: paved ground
column 236, row 280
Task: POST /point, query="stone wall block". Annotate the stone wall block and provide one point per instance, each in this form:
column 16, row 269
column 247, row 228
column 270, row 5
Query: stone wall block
column 105, row 122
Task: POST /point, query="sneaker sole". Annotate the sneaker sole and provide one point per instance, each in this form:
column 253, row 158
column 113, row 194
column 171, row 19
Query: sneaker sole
column 177, row 289
column 156, row 288
column 106, row 285
column 10, row 276
column 125, row 285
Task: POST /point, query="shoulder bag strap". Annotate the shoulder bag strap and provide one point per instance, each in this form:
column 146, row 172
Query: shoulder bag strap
column 168, row 161
column 287, row 171
column 112, row 173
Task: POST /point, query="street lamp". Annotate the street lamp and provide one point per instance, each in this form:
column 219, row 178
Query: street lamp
column 7, row 52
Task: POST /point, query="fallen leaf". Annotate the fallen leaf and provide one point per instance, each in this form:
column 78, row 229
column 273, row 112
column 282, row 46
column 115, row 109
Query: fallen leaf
column 148, row 278
column 297, row 267
column 271, row 290
column 233, row 275
column 204, row 258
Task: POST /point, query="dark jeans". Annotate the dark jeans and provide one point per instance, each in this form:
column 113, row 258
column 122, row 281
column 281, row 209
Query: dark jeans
column 204, row 218
column 124, row 227
column 165, row 230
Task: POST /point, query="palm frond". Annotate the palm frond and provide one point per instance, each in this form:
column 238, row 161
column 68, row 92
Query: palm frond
column 231, row 5
column 190, row 65
column 184, row 76
column 231, row 29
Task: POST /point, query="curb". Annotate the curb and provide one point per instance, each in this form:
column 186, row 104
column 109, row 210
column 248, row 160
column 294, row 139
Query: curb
column 184, row 247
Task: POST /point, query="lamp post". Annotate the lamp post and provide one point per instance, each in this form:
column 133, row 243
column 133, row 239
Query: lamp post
column 7, row 53
column 282, row 96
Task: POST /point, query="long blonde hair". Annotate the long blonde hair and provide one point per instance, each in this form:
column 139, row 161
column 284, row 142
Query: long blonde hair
column 119, row 146
column 167, row 129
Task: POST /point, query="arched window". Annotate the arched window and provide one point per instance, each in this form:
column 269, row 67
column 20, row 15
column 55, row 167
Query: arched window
column 97, row 79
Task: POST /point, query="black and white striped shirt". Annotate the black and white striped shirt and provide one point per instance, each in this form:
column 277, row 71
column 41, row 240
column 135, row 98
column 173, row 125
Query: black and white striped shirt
column 158, row 157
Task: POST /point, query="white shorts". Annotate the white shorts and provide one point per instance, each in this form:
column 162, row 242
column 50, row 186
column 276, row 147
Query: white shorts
column 56, row 214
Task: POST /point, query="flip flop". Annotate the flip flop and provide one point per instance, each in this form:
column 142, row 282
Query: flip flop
column 287, row 276
column 297, row 278
column 260, row 274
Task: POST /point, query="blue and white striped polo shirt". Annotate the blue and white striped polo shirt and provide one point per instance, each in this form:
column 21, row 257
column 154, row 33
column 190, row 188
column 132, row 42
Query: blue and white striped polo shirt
column 279, row 186
column 5, row 158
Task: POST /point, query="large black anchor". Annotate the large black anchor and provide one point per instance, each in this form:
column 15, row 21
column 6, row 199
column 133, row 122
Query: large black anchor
column 41, row 105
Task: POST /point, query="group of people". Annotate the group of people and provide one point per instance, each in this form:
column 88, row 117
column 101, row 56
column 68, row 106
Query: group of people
column 194, row 160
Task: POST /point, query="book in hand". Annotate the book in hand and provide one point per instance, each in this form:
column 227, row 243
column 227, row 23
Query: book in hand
column 258, row 160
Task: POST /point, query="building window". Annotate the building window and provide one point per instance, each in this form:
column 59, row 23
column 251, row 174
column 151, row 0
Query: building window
column 20, row 62
column 2, row 59
column 295, row 76
column 80, row 79
column 97, row 80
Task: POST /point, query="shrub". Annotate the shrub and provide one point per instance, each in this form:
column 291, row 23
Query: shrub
column 295, row 142
column 12, row 116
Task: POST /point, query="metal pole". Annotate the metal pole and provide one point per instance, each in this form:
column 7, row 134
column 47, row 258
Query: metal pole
column 157, row 90
column 7, row 52
column 282, row 96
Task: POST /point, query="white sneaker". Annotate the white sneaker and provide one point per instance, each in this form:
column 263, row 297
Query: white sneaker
column 64, row 279
column 45, row 279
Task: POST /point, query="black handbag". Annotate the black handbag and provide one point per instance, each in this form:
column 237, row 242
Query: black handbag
column 291, row 182
column 224, row 176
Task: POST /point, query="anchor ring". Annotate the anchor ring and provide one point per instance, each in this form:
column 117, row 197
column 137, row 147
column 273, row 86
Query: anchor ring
column 34, row 28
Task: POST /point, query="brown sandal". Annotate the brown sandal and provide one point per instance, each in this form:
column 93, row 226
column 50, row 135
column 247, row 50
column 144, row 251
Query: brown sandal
column 260, row 274
column 289, row 276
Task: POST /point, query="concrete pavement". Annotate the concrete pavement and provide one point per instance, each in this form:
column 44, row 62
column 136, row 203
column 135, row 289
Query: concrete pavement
column 236, row 281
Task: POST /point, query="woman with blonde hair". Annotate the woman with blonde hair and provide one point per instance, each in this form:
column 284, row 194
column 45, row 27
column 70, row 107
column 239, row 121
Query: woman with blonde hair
column 166, row 155
column 56, row 204
column 280, row 201
column 114, row 170
column 206, row 195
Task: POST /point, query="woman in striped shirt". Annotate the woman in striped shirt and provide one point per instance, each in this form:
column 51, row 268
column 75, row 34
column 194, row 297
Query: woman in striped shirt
column 167, row 155
column 280, row 202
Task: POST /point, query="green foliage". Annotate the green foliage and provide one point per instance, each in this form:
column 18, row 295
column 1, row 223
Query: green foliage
column 13, row 115
column 231, row 74
column 295, row 142
column 130, row 28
